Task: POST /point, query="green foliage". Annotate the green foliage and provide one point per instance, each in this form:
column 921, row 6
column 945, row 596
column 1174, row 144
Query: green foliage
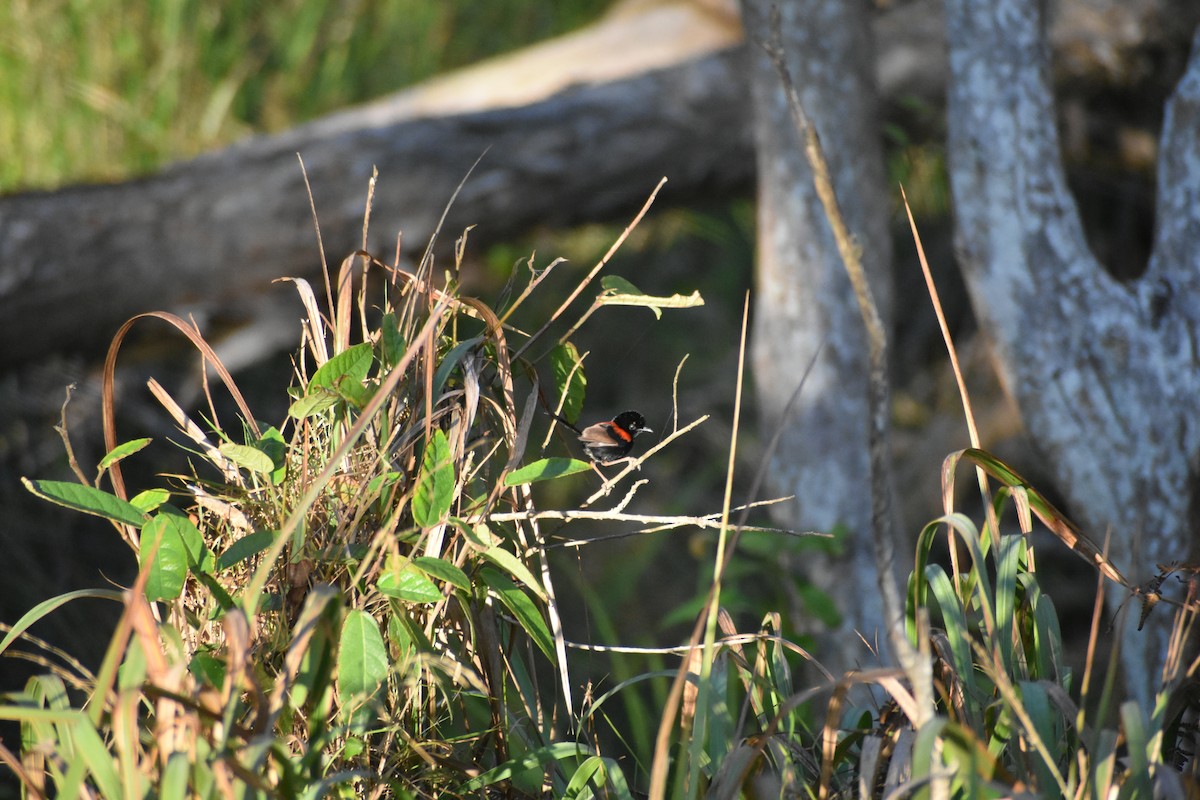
column 340, row 604
column 106, row 89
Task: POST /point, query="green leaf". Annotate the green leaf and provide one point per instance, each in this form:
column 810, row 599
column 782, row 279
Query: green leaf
column 533, row 759
column 392, row 341
column 245, row 548
column 350, row 365
column 615, row 284
column 569, row 379
column 362, row 657
column 544, row 470
column 208, row 669
column 514, row 567
column 443, row 570
column 273, row 444
column 517, row 602
column 450, row 361
column 409, row 583
column 313, row 403
column 88, row 500
column 161, row 539
column 123, row 451
column 248, row 458
column 150, row 499
column 45, row 607
column 435, row 483
column 198, row 554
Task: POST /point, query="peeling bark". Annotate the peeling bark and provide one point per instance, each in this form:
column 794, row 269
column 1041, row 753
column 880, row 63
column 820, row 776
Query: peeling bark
column 1105, row 373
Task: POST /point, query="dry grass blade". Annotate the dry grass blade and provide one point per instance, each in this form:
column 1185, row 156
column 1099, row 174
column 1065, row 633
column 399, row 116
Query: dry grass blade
column 595, row 270
column 916, row 665
column 110, row 368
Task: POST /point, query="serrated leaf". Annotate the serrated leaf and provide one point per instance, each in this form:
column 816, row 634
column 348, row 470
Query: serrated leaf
column 245, row 548
column 362, row 657
column 569, row 379
column 444, row 571
column 514, row 567
column 435, row 483
column 88, row 500
column 123, row 451
column 161, row 539
column 544, row 470
column 346, row 368
column 409, row 583
column 313, row 403
column 517, row 602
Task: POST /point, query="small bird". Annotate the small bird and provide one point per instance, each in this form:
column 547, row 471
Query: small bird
column 610, row 441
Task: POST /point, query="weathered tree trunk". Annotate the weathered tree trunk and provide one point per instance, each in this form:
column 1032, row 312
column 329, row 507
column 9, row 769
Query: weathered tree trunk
column 1105, row 373
column 804, row 296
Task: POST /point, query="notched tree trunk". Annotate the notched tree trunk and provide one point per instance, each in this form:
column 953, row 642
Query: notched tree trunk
column 1105, row 373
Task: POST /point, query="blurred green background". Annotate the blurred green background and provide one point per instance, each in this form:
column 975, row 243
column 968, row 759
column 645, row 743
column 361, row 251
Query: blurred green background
column 100, row 90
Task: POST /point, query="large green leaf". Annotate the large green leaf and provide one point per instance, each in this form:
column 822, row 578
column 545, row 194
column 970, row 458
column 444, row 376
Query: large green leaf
column 569, row 379
column 162, row 539
column 88, row 500
column 345, row 373
column 362, row 657
column 352, row 364
column 544, row 470
column 246, row 547
column 435, row 483
column 409, row 583
column 517, row 602
column 443, row 570
column 248, row 458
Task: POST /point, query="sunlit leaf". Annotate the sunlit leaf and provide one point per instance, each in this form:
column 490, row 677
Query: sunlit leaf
column 362, row 657
column 248, row 458
column 443, row 570
column 88, row 500
column 435, row 483
column 544, row 470
column 123, row 451
column 409, row 583
column 348, row 367
column 313, row 403
column 161, row 540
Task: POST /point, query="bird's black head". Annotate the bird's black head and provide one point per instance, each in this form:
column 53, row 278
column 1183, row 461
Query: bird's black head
column 631, row 421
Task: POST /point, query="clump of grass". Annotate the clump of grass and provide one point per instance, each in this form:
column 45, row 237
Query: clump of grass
column 356, row 598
